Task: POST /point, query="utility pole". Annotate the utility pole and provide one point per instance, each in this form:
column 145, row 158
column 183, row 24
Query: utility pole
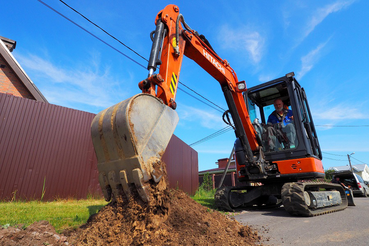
column 348, row 156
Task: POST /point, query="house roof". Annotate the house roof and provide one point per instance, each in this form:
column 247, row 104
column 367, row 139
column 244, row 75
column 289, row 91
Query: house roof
column 357, row 168
column 232, row 168
column 10, row 44
column 6, row 46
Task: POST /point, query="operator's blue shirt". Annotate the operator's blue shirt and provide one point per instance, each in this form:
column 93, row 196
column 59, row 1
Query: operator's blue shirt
column 274, row 119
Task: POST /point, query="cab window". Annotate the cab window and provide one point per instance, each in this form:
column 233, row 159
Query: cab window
column 281, row 134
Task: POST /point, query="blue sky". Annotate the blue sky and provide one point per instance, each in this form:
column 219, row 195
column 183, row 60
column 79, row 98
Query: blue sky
column 326, row 44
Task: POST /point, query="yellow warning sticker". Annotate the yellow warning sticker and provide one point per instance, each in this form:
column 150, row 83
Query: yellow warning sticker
column 173, row 83
column 174, row 42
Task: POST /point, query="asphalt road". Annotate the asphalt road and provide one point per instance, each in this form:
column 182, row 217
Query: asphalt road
column 277, row 227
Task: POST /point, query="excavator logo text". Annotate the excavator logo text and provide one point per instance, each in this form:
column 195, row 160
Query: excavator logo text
column 212, row 60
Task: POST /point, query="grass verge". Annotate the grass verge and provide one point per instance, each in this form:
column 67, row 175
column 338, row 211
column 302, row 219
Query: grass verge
column 61, row 214
column 205, row 197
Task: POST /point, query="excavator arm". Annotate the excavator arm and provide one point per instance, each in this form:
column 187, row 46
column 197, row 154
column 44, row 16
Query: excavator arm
column 170, row 43
column 131, row 136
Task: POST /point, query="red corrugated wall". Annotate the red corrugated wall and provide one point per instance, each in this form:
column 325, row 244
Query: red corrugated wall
column 182, row 166
column 41, row 141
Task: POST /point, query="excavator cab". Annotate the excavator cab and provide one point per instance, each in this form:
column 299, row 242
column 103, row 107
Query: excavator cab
column 291, row 154
column 281, row 143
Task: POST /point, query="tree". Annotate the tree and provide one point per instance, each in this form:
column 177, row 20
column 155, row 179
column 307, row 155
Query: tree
column 329, row 175
column 207, row 182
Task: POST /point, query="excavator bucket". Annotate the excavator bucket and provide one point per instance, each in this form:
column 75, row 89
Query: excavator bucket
column 129, row 139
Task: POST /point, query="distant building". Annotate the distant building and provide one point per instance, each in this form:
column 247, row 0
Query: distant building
column 362, row 170
column 217, row 173
column 13, row 79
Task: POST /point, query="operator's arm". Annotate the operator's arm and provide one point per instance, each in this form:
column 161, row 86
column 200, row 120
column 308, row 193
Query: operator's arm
column 289, row 117
column 272, row 119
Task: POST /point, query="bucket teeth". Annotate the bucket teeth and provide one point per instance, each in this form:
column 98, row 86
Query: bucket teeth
column 129, row 139
column 105, row 187
column 157, row 172
column 114, row 183
column 124, row 182
column 141, row 188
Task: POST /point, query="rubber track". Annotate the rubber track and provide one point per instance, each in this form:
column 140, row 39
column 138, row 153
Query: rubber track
column 294, row 202
column 221, row 198
column 223, row 195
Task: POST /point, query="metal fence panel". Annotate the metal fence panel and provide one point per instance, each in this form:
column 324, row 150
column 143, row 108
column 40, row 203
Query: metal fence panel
column 41, row 142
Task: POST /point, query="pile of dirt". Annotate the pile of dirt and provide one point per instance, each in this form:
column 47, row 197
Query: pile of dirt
column 170, row 218
column 39, row 233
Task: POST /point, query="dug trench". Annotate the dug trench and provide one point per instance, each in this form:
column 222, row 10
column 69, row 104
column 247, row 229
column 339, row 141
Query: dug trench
column 170, row 218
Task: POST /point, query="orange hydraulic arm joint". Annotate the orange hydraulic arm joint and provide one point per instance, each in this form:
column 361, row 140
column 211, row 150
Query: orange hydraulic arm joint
column 170, row 42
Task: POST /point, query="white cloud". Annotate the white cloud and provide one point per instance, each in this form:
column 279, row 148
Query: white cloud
column 243, row 39
column 266, row 77
column 84, row 85
column 204, row 118
column 319, row 15
column 339, row 113
column 308, row 61
column 300, row 18
column 40, row 65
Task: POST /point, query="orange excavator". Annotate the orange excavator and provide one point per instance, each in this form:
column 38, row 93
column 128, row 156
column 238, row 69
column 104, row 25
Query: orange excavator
column 130, row 137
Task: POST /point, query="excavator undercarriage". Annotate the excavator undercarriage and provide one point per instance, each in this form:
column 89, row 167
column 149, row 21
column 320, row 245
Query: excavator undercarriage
column 298, row 198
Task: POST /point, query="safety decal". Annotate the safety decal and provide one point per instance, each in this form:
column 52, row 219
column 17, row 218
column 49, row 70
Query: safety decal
column 173, row 83
column 174, row 42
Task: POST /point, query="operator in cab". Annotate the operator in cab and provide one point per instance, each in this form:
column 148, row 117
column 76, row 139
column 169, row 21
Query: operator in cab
column 282, row 119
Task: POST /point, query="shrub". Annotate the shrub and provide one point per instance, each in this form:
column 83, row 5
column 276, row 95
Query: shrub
column 207, row 182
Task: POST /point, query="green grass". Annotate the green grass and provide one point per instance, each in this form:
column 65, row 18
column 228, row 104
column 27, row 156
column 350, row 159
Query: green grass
column 61, row 214
column 205, row 197
column 205, row 193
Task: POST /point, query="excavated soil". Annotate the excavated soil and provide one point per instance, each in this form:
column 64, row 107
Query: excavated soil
column 39, row 233
column 188, row 223
column 170, row 218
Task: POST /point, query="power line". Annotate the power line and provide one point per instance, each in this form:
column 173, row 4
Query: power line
column 332, row 154
column 217, row 107
column 93, row 23
column 357, row 159
column 333, row 159
column 92, row 34
column 211, row 136
column 341, row 155
column 179, row 88
column 343, row 125
column 126, row 47
column 222, row 109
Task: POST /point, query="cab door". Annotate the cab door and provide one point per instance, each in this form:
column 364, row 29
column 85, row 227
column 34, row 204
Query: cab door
column 313, row 147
